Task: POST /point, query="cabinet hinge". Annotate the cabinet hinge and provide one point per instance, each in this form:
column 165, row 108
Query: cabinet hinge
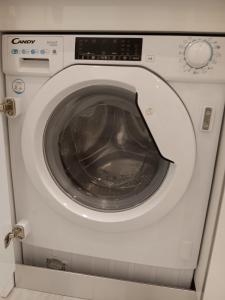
column 18, row 232
column 8, row 107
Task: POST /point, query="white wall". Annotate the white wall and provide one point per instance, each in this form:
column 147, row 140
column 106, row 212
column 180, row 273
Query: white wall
column 215, row 283
column 133, row 15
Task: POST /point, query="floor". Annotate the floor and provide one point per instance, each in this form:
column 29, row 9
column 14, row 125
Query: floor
column 23, row 294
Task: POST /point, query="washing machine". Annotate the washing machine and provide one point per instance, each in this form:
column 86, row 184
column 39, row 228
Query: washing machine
column 113, row 146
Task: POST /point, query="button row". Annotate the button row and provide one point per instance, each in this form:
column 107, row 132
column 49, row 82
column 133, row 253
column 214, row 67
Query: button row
column 33, row 51
column 111, row 57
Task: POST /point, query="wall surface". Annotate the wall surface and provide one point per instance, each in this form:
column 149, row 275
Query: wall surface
column 215, row 287
column 101, row 15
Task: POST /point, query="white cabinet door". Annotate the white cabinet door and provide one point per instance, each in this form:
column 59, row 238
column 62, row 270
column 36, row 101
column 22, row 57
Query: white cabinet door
column 7, row 258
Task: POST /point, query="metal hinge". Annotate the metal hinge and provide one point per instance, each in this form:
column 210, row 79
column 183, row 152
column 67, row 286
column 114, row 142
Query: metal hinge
column 18, row 232
column 8, row 107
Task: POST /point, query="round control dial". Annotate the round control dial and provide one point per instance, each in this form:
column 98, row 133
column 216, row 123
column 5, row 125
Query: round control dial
column 198, row 54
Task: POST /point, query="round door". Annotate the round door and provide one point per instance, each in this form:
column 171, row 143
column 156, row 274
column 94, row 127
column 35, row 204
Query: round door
column 109, row 144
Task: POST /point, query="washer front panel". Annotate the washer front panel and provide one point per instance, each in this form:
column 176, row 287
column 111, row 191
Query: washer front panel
column 164, row 114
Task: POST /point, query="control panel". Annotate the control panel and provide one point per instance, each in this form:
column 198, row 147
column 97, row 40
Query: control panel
column 175, row 58
column 97, row 48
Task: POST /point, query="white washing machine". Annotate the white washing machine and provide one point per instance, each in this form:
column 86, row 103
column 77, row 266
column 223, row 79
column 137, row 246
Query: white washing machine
column 114, row 143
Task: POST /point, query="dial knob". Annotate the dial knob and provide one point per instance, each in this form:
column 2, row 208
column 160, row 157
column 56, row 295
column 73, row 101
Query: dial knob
column 198, row 54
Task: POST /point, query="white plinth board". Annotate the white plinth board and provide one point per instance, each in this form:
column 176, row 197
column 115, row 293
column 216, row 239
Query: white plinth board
column 93, row 287
column 23, row 294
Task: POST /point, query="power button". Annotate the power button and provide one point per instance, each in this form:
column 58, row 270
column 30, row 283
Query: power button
column 18, row 86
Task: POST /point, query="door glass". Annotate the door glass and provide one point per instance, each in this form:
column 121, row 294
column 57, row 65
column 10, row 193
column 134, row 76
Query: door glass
column 100, row 152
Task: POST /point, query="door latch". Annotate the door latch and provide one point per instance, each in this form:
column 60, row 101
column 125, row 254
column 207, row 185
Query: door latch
column 8, row 107
column 19, row 231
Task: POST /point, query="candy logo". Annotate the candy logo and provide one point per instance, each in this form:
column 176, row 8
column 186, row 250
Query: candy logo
column 18, row 41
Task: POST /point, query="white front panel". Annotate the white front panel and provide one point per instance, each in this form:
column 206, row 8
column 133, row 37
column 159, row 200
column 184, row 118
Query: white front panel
column 173, row 232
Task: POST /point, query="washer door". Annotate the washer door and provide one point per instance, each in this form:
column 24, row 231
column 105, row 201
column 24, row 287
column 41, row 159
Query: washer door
column 109, row 144
column 99, row 149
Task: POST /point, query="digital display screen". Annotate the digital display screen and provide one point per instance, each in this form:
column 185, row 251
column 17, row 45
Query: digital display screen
column 97, row 48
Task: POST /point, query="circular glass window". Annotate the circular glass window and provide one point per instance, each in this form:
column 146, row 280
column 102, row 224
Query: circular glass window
column 100, row 152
